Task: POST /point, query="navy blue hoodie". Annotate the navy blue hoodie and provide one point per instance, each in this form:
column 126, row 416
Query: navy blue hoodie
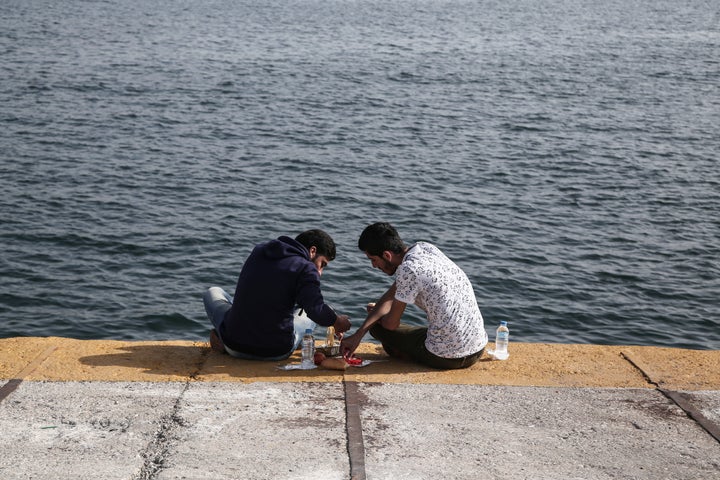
column 275, row 277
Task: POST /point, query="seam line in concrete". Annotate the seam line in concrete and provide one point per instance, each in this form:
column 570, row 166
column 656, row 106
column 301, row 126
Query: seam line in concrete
column 14, row 383
column 637, row 367
column 157, row 451
column 682, row 401
column 353, row 425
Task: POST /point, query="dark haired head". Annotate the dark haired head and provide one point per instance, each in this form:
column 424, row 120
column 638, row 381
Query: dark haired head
column 320, row 240
column 380, row 237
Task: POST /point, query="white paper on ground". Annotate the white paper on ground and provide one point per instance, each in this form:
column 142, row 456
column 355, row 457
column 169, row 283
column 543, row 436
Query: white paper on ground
column 492, row 355
column 297, row 366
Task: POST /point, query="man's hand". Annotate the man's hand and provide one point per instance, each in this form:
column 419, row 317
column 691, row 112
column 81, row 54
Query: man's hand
column 342, row 324
column 350, row 343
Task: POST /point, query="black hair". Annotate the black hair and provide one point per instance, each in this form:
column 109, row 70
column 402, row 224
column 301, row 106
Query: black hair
column 323, row 242
column 380, row 237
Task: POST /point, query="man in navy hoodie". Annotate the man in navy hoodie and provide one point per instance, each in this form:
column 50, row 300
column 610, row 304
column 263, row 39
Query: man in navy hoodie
column 279, row 280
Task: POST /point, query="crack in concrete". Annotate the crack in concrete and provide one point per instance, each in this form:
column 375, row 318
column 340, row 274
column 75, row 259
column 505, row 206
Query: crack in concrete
column 159, row 449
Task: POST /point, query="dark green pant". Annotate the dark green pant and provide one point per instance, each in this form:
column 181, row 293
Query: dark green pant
column 408, row 343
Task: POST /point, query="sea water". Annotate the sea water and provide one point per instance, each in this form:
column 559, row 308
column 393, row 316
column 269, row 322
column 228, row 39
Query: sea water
column 563, row 153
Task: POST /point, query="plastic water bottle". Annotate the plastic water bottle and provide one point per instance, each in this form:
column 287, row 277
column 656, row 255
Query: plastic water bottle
column 502, row 338
column 308, row 350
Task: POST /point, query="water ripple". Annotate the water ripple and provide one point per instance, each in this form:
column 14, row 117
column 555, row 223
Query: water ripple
column 563, row 154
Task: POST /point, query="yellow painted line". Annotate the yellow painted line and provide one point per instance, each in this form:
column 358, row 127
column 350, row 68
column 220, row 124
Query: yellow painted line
column 18, row 353
column 678, row 369
column 36, row 362
column 530, row 364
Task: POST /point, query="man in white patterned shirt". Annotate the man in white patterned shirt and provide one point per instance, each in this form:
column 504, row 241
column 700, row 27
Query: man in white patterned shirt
column 455, row 336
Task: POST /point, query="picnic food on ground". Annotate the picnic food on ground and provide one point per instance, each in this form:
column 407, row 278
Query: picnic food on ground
column 353, row 360
column 318, row 358
column 334, row 363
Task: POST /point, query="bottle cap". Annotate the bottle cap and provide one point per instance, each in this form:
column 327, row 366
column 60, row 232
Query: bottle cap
column 503, row 323
column 308, row 330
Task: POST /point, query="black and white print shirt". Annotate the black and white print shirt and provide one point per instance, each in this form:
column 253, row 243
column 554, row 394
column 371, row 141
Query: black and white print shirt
column 433, row 282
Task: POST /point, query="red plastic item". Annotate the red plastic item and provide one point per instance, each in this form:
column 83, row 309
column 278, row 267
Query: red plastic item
column 353, row 360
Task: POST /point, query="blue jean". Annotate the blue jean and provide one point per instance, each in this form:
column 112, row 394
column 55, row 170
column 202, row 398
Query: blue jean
column 217, row 302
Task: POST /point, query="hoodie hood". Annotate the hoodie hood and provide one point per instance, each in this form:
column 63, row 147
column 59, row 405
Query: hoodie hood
column 285, row 247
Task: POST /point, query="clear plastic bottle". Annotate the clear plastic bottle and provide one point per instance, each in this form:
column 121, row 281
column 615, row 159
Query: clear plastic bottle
column 308, row 350
column 502, row 338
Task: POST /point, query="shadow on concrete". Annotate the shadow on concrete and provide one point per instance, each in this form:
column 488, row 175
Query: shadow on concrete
column 153, row 359
column 382, row 365
column 200, row 362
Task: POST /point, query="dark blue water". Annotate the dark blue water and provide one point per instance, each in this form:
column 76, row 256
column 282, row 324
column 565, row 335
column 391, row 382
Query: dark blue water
column 564, row 153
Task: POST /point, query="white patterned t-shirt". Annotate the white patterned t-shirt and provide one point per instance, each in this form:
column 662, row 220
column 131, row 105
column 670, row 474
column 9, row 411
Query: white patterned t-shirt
column 433, row 282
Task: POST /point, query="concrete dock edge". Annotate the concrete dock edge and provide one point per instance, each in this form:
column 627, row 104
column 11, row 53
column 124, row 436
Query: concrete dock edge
column 169, row 409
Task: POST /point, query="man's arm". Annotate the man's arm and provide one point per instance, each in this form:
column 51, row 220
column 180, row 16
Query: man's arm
column 387, row 311
column 342, row 324
column 308, row 296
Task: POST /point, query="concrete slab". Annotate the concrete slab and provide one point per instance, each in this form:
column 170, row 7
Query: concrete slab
column 260, row 431
column 167, row 410
column 469, row 432
column 708, row 403
column 703, row 407
column 81, row 430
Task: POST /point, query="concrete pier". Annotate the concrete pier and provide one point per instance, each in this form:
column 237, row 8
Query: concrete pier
column 77, row 409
